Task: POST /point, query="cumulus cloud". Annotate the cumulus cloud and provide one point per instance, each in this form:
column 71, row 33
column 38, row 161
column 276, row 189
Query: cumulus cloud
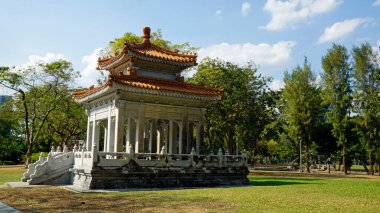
column 245, row 8
column 376, row 3
column 276, row 85
column 287, row 14
column 34, row 60
column 89, row 75
column 271, row 58
column 218, row 14
column 341, row 29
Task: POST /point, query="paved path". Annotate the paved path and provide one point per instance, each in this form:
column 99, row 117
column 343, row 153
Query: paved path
column 7, row 209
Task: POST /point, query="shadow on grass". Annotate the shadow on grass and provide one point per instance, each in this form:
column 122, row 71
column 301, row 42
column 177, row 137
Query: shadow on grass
column 281, row 181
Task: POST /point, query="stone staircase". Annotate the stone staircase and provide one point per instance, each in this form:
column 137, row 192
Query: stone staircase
column 51, row 170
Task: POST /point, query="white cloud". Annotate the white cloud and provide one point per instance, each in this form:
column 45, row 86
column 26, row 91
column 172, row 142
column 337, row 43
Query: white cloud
column 34, row 60
column 376, row 3
column 89, row 75
column 270, row 58
column 245, row 8
column 341, row 29
column 218, row 14
column 276, row 85
column 287, row 14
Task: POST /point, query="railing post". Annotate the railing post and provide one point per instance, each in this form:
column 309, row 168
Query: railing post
column 220, row 157
column 131, row 152
column 245, row 157
column 65, row 149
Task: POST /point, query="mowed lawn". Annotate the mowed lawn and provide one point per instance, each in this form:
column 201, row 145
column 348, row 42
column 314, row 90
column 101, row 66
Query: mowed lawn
column 11, row 173
column 266, row 194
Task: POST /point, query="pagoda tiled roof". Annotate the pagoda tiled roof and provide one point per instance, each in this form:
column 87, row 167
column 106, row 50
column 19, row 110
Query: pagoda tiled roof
column 158, row 85
column 149, row 52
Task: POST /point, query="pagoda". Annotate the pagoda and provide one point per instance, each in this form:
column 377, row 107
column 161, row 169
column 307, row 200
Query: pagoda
column 145, row 126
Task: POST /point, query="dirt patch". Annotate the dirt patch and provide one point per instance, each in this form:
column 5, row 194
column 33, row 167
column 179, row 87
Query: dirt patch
column 53, row 199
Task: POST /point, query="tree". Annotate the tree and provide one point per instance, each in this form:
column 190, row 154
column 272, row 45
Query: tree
column 11, row 147
column 68, row 120
column 366, row 98
column 39, row 93
column 239, row 118
column 336, row 94
column 302, row 106
column 117, row 44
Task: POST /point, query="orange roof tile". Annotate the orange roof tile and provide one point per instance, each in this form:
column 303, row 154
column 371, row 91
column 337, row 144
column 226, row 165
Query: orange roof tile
column 148, row 51
column 81, row 93
column 154, row 84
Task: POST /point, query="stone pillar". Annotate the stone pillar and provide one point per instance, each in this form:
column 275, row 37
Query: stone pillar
column 89, row 133
column 159, row 136
column 140, row 129
column 95, row 135
column 150, row 136
column 119, row 122
column 128, row 134
column 180, row 140
column 189, row 139
column 199, row 139
column 165, row 138
column 153, row 136
column 171, row 137
column 105, row 138
column 110, row 134
column 184, row 128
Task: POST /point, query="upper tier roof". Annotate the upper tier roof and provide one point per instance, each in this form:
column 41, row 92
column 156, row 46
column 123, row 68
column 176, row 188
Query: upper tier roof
column 148, row 52
column 164, row 87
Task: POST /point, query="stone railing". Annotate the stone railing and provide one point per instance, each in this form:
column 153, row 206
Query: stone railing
column 171, row 160
column 46, row 168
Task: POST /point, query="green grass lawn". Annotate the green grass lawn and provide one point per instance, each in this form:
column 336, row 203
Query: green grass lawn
column 11, row 173
column 265, row 194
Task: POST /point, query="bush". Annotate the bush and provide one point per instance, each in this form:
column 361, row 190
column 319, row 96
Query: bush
column 11, row 151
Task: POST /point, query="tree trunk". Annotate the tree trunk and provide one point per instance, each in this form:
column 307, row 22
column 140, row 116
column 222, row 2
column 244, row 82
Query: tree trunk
column 307, row 159
column 366, row 168
column 344, row 158
column 28, row 156
column 371, row 163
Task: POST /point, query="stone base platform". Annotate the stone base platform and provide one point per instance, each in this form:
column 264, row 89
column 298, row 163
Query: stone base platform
column 133, row 176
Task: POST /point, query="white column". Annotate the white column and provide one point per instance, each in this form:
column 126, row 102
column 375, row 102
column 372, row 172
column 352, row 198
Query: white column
column 140, row 129
column 111, row 134
column 180, row 141
column 199, row 137
column 95, row 135
column 154, row 135
column 105, row 141
column 119, row 122
column 159, row 136
column 189, row 144
column 150, row 136
column 171, row 137
column 128, row 135
column 89, row 133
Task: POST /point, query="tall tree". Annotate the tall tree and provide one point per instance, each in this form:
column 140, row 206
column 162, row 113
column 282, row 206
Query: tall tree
column 39, row 93
column 336, row 94
column 367, row 98
column 302, row 106
column 242, row 114
column 67, row 121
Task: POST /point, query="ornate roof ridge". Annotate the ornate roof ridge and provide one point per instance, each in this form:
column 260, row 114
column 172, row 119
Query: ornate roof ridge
column 178, row 82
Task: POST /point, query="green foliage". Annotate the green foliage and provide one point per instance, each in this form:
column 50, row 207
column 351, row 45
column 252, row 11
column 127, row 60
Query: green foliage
column 367, row 99
column 39, row 91
column 302, row 106
column 117, row 44
column 240, row 117
column 336, row 94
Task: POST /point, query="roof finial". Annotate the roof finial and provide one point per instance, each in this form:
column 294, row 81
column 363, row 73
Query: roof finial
column 146, row 31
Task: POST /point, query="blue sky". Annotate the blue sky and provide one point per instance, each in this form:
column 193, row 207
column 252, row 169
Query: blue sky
column 275, row 34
